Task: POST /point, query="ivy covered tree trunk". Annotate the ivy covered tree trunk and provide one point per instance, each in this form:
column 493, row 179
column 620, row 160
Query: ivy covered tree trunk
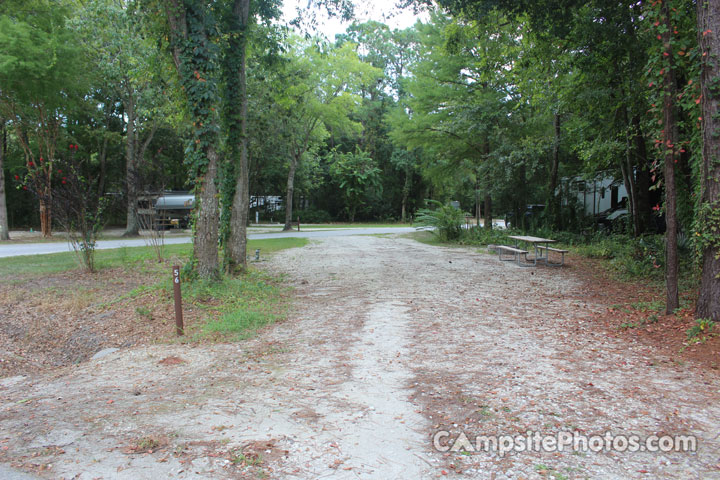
column 670, row 147
column 4, row 231
column 708, row 227
column 205, row 246
column 237, row 243
column 196, row 58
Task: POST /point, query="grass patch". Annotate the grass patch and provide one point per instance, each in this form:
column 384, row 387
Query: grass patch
column 230, row 309
column 66, row 261
column 273, row 245
column 236, row 307
column 29, row 265
column 426, row 237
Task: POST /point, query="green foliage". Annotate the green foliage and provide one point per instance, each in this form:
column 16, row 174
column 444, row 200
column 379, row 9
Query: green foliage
column 355, row 174
column 484, row 236
column 245, row 304
column 701, row 331
column 446, row 220
column 313, row 215
column 39, row 54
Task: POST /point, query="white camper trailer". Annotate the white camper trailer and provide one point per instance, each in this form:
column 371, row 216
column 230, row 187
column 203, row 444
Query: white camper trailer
column 598, row 195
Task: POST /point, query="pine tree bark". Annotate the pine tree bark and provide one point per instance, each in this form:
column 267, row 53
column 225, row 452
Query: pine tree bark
column 670, row 136
column 708, row 18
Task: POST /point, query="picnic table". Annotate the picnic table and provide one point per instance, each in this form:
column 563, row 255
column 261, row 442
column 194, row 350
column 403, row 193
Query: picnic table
column 541, row 248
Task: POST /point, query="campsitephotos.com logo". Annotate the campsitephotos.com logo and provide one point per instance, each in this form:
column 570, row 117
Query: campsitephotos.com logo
column 563, row 441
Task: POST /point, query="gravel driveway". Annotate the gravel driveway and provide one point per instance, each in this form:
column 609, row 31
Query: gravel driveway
column 394, row 351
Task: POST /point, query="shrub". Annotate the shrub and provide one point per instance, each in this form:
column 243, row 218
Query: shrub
column 446, row 220
column 701, row 331
column 313, row 215
column 484, row 236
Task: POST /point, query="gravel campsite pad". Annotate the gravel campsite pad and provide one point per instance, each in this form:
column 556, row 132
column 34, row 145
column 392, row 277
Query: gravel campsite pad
column 393, row 352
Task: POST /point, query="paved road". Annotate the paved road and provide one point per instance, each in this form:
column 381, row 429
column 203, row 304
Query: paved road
column 16, row 250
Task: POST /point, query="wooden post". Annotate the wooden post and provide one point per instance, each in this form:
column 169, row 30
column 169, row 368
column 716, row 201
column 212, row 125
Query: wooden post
column 298, row 224
column 179, row 327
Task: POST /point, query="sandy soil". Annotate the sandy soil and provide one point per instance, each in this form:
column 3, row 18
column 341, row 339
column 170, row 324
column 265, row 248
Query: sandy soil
column 389, row 343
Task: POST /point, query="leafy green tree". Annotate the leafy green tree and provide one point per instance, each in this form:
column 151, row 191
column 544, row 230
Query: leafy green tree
column 458, row 108
column 355, row 173
column 41, row 75
column 128, row 61
column 321, row 92
column 192, row 31
column 406, row 162
column 239, row 21
column 235, row 113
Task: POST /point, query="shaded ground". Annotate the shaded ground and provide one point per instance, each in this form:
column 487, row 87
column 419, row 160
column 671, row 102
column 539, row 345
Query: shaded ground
column 390, row 342
column 636, row 310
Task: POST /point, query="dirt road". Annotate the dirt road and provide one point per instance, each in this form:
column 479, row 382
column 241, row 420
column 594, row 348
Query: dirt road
column 392, row 346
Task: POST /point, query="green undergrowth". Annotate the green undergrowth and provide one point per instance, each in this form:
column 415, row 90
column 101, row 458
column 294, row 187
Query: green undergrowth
column 236, row 307
column 625, row 256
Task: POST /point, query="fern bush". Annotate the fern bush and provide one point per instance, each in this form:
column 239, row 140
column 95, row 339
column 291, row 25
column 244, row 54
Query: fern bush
column 445, row 220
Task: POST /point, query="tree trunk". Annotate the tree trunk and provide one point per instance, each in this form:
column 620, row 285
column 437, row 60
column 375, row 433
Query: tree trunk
column 477, row 197
column 132, row 226
column 670, row 136
column 626, row 167
column 642, row 182
column 205, row 246
column 46, row 214
column 553, row 199
column 237, row 243
column 4, row 228
column 103, row 166
column 708, row 306
column 407, row 185
column 488, row 212
column 186, row 22
column 290, row 193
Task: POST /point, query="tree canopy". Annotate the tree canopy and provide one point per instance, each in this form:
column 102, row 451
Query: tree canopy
column 497, row 105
